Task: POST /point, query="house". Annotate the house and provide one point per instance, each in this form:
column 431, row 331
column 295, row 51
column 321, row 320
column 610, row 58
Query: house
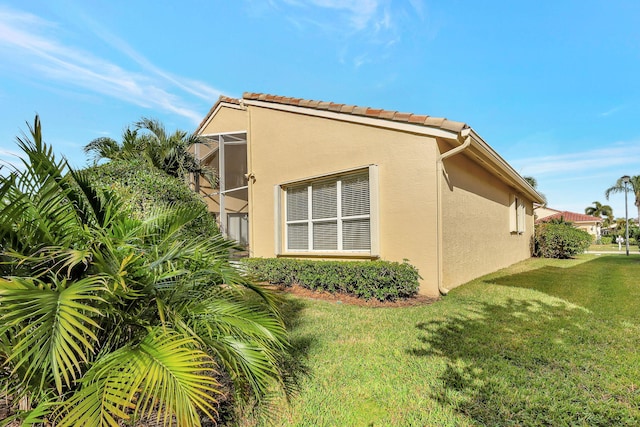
column 310, row 179
column 588, row 223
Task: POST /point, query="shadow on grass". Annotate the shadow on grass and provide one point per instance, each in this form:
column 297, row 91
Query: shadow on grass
column 515, row 363
column 294, row 362
column 608, row 285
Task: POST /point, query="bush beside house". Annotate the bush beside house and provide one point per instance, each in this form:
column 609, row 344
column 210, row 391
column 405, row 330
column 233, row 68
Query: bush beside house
column 560, row 240
column 144, row 188
column 382, row 280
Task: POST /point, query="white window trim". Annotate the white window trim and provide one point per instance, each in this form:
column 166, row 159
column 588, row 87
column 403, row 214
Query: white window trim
column 517, row 214
column 280, row 198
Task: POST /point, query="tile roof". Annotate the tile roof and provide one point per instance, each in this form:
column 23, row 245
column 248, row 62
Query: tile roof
column 376, row 113
column 571, row 217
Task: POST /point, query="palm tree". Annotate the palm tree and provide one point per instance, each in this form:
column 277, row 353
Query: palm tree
column 149, row 140
column 534, row 183
column 105, row 318
column 633, row 185
column 598, row 210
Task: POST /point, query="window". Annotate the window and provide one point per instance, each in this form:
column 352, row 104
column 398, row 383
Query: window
column 516, row 215
column 329, row 214
column 238, row 228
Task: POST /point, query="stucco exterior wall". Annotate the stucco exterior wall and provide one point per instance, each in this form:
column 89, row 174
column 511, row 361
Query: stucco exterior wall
column 288, row 147
column 227, row 120
column 285, row 147
column 476, row 230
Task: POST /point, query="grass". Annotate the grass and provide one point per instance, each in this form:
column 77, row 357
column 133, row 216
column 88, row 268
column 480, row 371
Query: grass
column 544, row 342
column 611, row 248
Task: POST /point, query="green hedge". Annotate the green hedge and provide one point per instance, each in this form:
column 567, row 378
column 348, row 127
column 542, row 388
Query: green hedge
column 560, row 240
column 382, row 280
column 606, row 240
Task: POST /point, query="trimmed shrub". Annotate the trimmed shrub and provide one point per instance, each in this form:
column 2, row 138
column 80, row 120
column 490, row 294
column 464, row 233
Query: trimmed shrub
column 382, row 280
column 559, row 240
column 606, row 240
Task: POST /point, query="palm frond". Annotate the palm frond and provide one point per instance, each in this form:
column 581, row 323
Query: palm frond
column 164, row 376
column 245, row 337
column 103, row 148
column 52, row 326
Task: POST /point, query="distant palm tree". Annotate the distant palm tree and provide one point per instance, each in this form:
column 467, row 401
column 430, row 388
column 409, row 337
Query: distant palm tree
column 598, row 209
column 633, row 186
column 534, row 183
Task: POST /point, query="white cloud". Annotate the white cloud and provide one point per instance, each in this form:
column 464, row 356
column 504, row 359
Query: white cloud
column 334, row 16
column 617, row 155
column 363, row 28
column 33, row 45
column 360, row 12
column 612, row 111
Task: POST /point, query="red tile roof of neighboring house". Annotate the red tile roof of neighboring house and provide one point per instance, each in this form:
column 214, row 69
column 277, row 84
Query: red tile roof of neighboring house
column 571, row 217
column 417, row 119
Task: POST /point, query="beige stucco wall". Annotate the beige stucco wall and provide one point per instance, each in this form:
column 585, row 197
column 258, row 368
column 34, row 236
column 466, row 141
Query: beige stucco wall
column 286, row 147
column 226, row 120
column 476, row 229
column 590, row 227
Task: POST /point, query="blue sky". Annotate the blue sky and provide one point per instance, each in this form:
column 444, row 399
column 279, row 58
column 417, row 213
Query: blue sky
column 551, row 86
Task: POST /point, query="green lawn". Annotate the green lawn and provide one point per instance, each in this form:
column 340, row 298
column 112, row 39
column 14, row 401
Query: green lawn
column 544, row 342
column 612, row 248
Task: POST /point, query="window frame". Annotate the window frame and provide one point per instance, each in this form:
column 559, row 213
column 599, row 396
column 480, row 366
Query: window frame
column 282, row 221
column 517, row 214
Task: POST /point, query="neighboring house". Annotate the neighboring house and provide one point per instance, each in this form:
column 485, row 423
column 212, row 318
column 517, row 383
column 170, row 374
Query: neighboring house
column 588, row 223
column 310, row 179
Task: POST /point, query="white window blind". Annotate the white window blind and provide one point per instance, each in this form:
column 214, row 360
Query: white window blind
column 355, row 195
column 297, row 216
column 297, row 204
column 356, row 234
column 325, row 202
column 329, row 215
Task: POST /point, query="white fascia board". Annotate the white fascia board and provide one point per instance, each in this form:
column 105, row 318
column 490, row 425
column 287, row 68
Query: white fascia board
column 363, row 120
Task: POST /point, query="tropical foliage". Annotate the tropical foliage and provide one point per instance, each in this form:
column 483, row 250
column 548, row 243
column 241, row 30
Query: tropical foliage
column 149, row 140
column 106, row 318
column 599, row 210
column 143, row 188
column 633, row 186
column 534, row 183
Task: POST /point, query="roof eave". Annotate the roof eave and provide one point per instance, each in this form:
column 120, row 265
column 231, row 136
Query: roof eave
column 510, row 175
column 417, row 128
